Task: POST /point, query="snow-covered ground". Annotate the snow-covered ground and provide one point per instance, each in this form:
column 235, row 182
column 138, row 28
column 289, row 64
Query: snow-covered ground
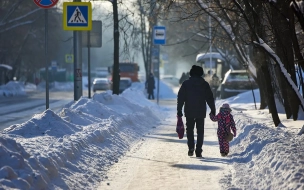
column 74, row 148
column 15, row 88
column 264, row 156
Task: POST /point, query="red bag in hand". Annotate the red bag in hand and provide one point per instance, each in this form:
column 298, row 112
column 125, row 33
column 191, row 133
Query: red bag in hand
column 180, row 127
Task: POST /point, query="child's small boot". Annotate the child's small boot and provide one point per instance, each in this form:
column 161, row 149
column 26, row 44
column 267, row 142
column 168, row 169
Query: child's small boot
column 224, row 154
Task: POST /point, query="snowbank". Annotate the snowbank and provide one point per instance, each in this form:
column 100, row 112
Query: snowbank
column 12, row 88
column 72, row 150
column 264, row 156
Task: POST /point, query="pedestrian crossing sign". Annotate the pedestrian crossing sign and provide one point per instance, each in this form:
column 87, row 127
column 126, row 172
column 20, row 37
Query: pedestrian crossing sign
column 69, row 58
column 77, row 16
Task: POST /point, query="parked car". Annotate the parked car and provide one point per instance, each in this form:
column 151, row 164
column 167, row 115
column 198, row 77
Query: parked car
column 235, row 82
column 101, row 84
column 124, row 83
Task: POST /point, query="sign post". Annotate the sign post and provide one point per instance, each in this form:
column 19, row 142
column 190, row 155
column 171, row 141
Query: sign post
column 159, row 38
column 91, row 39
column 77, row 16
column 46, row 4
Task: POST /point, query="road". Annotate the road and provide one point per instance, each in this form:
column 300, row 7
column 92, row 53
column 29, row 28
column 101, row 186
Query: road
column 16, row 110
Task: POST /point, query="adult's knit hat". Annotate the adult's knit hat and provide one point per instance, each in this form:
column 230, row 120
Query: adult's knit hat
column 196, row 71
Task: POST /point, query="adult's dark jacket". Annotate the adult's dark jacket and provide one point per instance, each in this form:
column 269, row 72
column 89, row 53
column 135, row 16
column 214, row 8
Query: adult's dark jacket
column 193, row 94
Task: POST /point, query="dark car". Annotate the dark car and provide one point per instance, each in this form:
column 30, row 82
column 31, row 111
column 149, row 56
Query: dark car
column 124, row 83
column 101, row 84
column 236, row 82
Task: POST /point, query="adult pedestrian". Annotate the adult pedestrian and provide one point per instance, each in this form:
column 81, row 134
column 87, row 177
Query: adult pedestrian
column 214, row 84
column 150, row 86
column 193, row 95
column 36, row 81
column 187, row 75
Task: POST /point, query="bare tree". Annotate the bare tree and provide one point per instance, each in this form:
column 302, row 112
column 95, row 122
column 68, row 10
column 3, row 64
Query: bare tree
column 256, row 26
column 22, row 36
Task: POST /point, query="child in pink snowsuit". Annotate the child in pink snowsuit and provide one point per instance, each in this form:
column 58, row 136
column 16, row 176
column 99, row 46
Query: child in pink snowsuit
column 225, row 124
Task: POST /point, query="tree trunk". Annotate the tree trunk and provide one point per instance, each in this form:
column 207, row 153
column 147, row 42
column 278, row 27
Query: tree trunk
column 260, row 60
column 116, row 75
column 295, row 42
column 297, row 11
column 144, row 40
column 262, row 87
column 296, row 48
column 258, row 56
column 270, row 95
column 284, row 49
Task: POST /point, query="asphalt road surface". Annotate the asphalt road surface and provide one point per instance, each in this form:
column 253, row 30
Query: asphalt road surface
column 18, row 109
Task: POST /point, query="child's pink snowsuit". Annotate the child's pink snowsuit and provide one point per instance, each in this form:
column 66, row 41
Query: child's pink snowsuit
column 225, row 124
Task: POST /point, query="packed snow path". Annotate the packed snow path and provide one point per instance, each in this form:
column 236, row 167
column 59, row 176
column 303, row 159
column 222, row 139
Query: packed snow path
column 160, row 161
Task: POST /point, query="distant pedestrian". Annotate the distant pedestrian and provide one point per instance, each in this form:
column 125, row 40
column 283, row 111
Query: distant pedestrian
column 214, row 84
column 150, row 86
column 188, row 75
column 36, row 81
column 225, row 125
column 194, row 93
column 183, row 78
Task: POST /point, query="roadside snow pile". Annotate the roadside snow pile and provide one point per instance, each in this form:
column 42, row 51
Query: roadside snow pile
column 72, row 150
column 260, row 154
column 12, row 88
column 165, row 91
column 63, row 86
column 30, row 87
column 263, row 156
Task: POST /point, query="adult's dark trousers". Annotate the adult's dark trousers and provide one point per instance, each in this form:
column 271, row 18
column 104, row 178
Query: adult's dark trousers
column 199, row 123
column 151, row 96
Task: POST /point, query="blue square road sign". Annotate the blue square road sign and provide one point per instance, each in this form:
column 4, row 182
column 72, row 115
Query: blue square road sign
column 77, row 16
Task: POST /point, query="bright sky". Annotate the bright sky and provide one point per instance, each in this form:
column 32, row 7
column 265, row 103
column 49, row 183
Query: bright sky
column 63, row 150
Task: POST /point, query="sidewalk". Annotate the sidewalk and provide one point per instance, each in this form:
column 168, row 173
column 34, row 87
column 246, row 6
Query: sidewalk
column 160, row 162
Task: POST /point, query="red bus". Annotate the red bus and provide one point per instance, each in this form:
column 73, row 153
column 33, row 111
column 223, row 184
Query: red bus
column 128, row 69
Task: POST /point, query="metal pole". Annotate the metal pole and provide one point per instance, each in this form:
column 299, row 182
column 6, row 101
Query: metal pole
column 89, row 65
column 46, row 59
column 77, row 63
column 210, row 42
column 158, row 77
column 150, row 59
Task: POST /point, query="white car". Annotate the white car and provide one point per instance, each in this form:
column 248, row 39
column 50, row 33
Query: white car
column 101, row 84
